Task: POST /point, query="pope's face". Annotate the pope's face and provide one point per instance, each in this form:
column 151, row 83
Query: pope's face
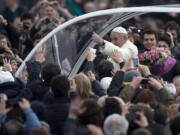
column 117, row 39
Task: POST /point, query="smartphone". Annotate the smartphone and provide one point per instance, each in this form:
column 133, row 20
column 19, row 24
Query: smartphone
column 93, row 50
column 135, row 62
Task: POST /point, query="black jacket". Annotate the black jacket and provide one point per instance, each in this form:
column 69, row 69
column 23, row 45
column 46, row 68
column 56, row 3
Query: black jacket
column 11, row 89
column 38, row 89
column 116, row 84
column 57, row 114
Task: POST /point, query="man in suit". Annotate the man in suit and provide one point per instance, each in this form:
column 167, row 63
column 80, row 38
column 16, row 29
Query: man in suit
column 119, row 42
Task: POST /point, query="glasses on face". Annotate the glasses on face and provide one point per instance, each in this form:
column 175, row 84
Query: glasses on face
column 3, row 43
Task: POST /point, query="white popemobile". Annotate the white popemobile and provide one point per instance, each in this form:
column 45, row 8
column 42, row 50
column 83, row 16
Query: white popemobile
column 68, row 43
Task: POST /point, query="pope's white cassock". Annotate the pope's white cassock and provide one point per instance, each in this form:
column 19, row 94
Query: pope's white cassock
column 128, row 48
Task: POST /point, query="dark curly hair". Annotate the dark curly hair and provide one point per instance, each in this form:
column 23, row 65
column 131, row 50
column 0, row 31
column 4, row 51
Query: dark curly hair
column 111, row 106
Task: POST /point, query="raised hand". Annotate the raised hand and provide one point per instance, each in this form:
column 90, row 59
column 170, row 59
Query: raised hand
column 40, row 53
column 76, row 108
column 3, row 109
column 96, row 38
column 90, row 55
column 142, row 122
column 57, row 22
column 24, row 103
column 72, row 85
column 94, row 130
column 155, row 84
column 136, row 82
column 144, row 69
column 125, row 108
column 41, row 22
column 101, row 100
column 117, row 56
column 3, row 21
column 7, row 65
column 42, row 3
column 56, row 5
column 91, row 76
column 128, row 65
column 172, row 39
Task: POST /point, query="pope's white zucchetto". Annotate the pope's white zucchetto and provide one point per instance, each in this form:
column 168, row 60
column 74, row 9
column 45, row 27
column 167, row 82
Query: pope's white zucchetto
column 120, row 30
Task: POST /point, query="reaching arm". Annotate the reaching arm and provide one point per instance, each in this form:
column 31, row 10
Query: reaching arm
column 31, row 119
column 116, row 83
column 110, row 47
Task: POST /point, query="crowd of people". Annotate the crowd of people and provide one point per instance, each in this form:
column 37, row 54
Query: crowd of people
column 112, row 94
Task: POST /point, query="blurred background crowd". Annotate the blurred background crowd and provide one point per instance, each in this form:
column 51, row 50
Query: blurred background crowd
column 24, row 23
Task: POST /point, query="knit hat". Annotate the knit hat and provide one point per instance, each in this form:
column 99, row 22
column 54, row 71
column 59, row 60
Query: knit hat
column 105, row 82
column 120, row 30
column 128, row 76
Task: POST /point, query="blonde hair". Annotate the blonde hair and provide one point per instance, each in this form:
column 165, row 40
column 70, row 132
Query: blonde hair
column 83, row 88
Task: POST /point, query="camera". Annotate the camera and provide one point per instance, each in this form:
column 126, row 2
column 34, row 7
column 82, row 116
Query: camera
column 145, row 81
column 47, row 21
column 2, row 50
column 26, row 26
column 135, row 30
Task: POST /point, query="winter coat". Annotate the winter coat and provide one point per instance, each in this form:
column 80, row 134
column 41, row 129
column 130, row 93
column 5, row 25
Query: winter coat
column 128, row 93
column 57, row 114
